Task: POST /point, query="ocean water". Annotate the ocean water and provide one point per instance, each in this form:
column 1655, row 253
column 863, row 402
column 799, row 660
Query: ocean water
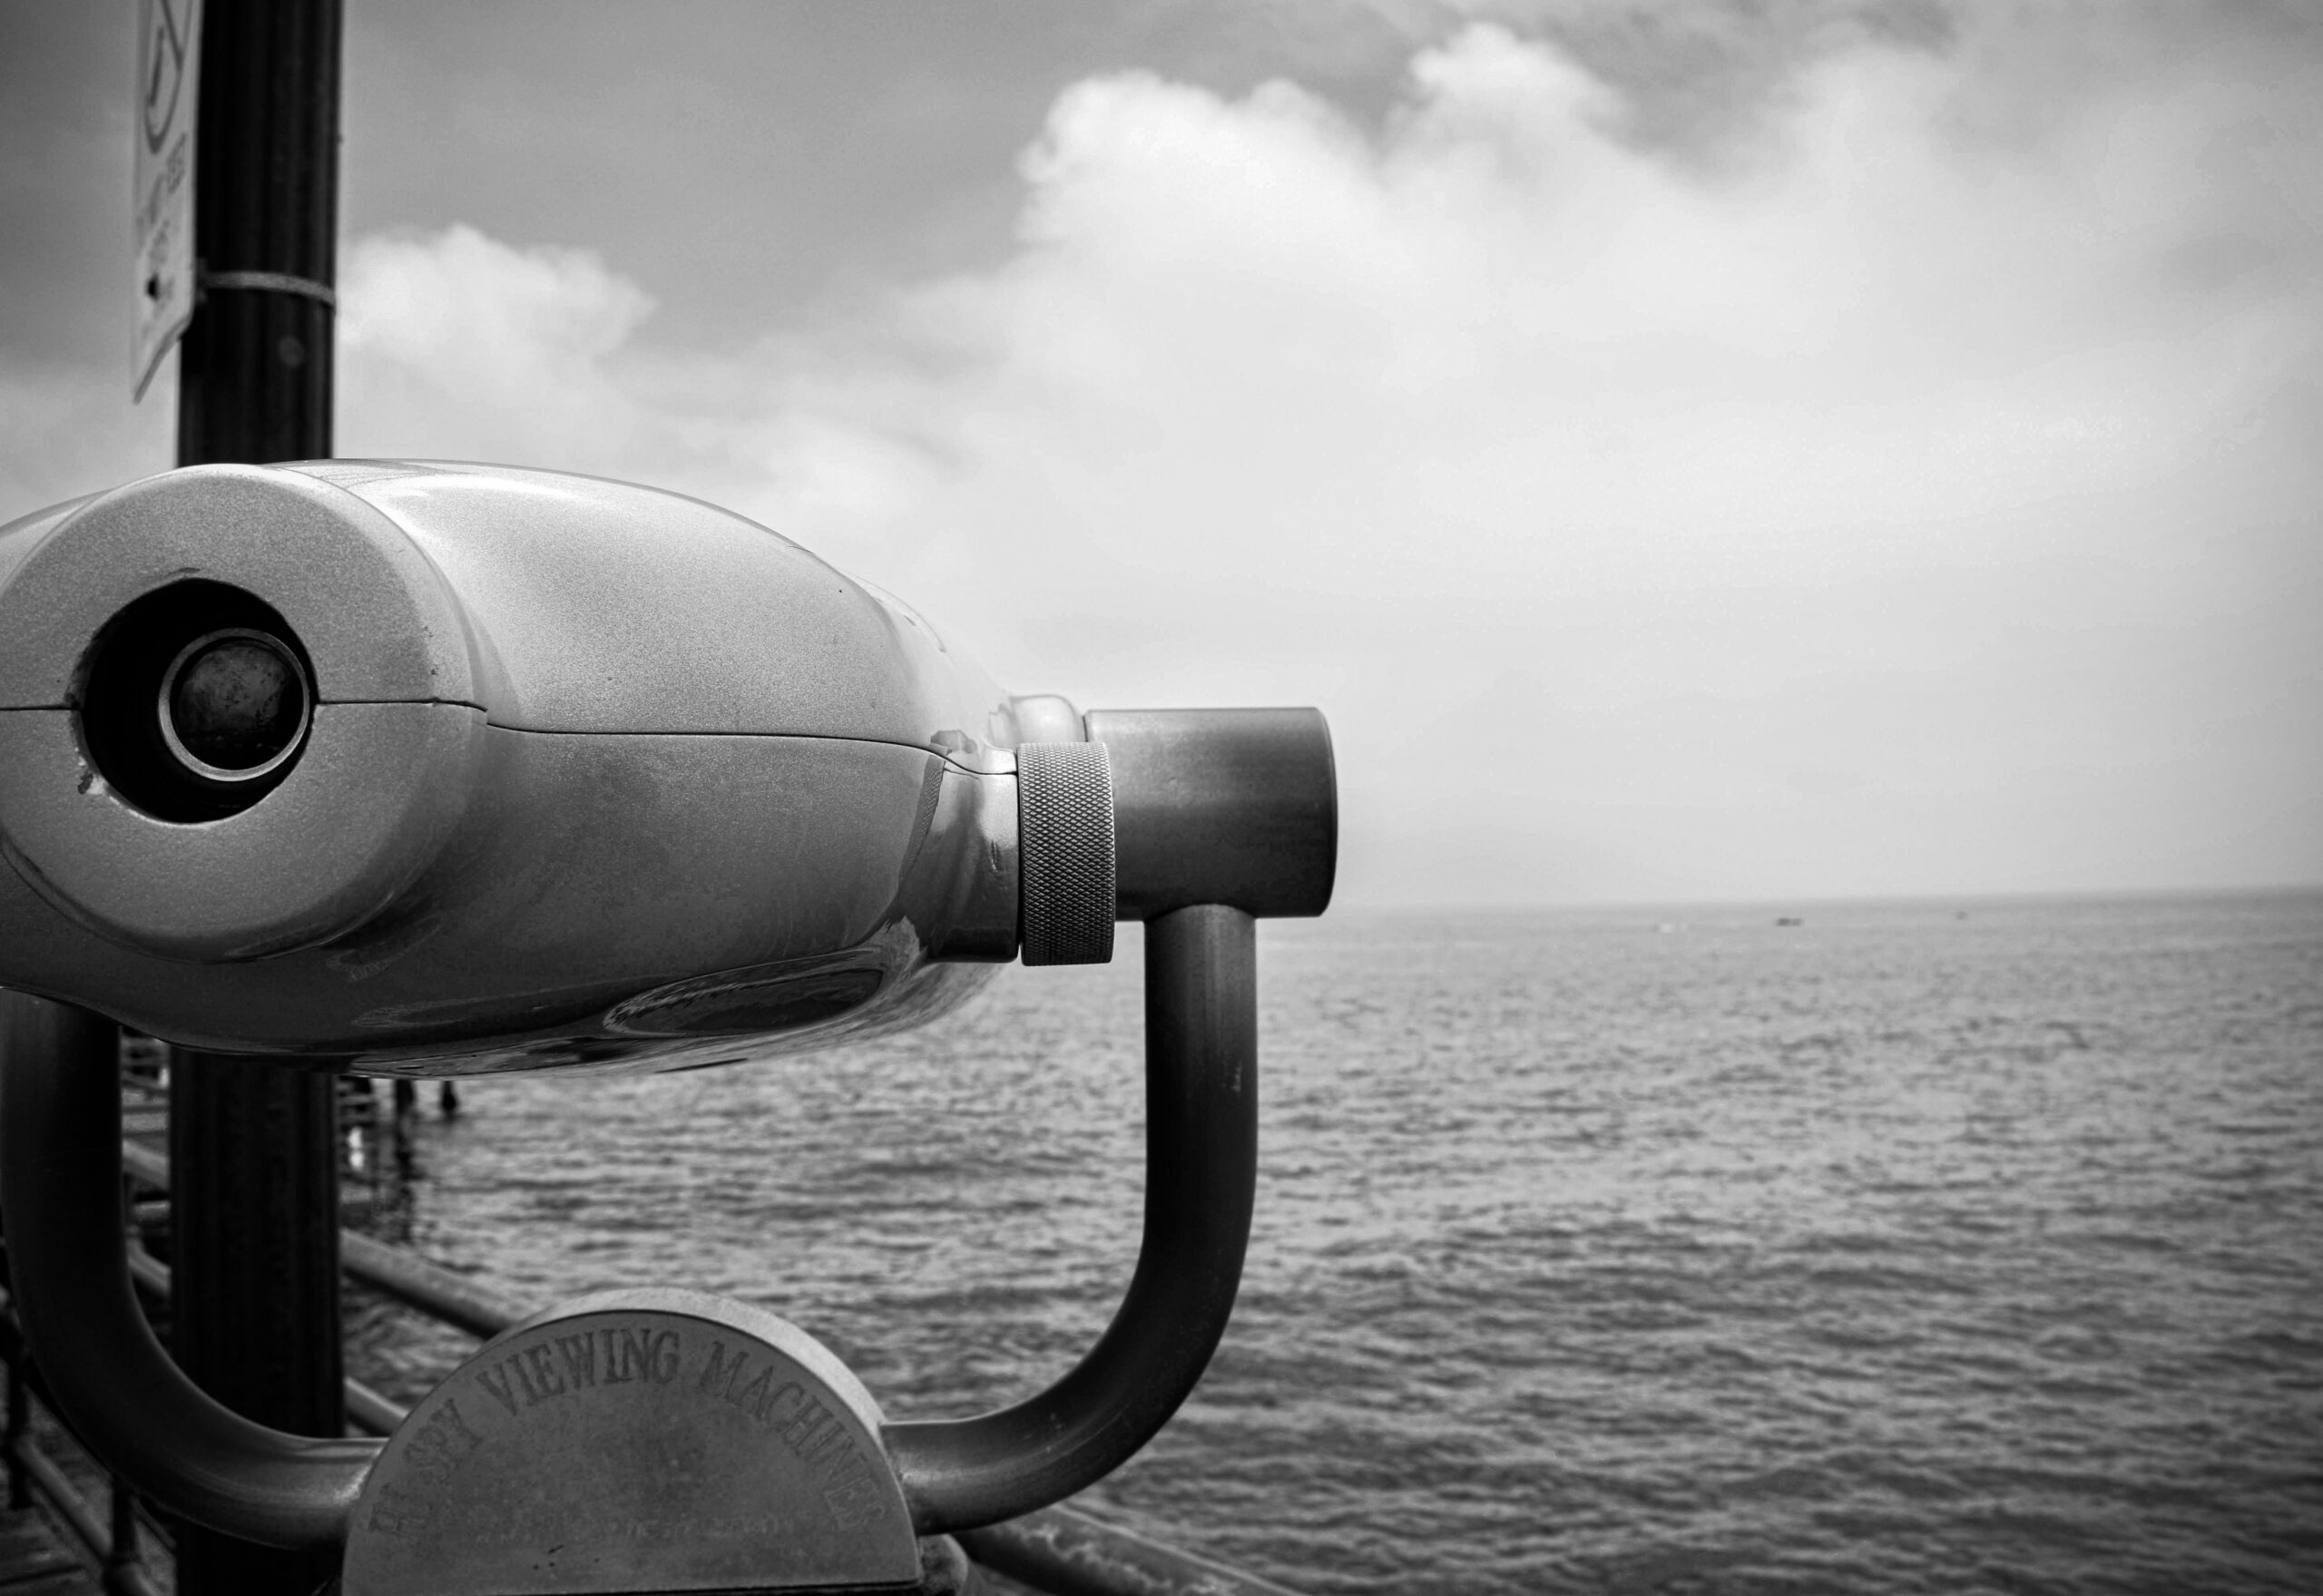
column 1914, row 1247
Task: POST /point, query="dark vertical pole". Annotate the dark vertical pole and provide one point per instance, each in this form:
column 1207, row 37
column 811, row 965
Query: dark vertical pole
column 254, row 372
column 254, row 1147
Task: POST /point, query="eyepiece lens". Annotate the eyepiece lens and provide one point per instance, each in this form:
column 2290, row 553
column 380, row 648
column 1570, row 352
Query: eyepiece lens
column 196, row 700
column 235, row 703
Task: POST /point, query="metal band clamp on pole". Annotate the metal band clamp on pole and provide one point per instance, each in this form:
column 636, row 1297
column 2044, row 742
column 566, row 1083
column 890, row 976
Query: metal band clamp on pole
column 269, row 282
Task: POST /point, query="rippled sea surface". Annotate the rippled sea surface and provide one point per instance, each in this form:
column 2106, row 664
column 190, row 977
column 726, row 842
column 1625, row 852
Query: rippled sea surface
column 1914, row 1248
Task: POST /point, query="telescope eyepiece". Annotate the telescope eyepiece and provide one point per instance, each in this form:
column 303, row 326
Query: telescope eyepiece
column 233, row 705
column 195, row 702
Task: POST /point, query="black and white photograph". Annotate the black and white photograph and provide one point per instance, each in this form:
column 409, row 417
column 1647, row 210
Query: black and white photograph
column 1162, row 797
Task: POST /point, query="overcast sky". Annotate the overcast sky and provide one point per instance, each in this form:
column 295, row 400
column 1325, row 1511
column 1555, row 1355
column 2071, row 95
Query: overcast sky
column 1780, row 450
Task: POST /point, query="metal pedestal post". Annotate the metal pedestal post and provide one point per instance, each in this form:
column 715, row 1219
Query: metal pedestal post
column 255, row 1313
column 255, row 1221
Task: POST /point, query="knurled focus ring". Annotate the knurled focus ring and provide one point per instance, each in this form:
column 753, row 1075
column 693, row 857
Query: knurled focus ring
column 1064, row 845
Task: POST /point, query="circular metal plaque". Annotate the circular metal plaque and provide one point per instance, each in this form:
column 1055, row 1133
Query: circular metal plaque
column 636, row 1441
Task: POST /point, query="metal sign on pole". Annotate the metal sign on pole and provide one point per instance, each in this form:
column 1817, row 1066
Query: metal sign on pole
column 169, row 81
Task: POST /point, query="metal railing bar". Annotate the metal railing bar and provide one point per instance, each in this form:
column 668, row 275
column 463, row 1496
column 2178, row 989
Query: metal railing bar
column 50, row 1483
column 120, row 1556
column 1065, row 1552
column 24, row 1392
column 149, row 1272
column 146, row 1165
column 20, row 1416
column 120, row 1577
column 445, row 1294
column 368, row 1411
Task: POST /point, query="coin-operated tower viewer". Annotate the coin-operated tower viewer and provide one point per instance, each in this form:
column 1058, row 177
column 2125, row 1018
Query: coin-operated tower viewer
column 431, row 770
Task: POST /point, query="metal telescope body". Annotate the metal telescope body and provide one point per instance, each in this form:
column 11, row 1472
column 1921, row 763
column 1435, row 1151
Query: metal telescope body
column 430, row 769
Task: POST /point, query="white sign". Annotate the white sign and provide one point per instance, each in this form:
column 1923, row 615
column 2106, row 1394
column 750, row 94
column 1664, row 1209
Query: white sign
column 169, row 71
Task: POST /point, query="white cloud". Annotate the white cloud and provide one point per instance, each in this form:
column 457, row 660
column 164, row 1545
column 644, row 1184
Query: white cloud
column 1924, row 506
column 501, row 352
column 71, row 431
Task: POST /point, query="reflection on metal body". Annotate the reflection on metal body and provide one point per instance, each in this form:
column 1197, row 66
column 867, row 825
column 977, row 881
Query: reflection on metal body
column 648, row 1440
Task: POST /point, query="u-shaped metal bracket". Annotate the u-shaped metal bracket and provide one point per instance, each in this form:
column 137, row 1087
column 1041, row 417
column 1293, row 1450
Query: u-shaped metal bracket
column 68, row 1264
column 1202, row 1159
column 60, row 1186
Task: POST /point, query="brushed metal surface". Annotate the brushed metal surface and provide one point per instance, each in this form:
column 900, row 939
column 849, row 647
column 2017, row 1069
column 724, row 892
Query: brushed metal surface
column 19, row 537
column 614, row 608
column 377, row 792
column 1234, row 806
column 636, row 1441
column 373, row 613
column 586, row 873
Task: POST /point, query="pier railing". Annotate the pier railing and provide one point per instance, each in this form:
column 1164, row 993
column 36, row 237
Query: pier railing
column 115, row 1541
column 1059, row 1550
